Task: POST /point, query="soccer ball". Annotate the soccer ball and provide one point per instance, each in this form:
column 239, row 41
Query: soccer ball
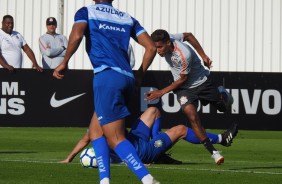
column 88, row 158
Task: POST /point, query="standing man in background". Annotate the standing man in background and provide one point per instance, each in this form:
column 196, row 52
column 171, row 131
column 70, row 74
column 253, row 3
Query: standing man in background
column 52, row 45
column 108, row 31
column 11, row 43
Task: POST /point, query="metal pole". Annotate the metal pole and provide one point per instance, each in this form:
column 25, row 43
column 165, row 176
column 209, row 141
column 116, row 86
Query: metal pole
column 61, row 16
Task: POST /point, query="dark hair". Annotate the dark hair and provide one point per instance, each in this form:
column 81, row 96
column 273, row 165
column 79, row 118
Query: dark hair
column 160, row 35
column 7, row 17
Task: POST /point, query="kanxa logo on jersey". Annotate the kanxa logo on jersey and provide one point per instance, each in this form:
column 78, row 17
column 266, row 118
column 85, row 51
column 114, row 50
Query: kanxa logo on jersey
column 11, row 99
column 245, row 101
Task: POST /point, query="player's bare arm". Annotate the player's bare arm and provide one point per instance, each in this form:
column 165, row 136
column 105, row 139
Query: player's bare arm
column 5, row 64
column 152, row 95
column 75, row 38
column 189, row 37
column 31, row 56
column 150, row 52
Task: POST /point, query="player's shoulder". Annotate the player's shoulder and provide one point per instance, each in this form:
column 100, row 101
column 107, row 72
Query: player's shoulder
column 18, row 36
column 16, row 33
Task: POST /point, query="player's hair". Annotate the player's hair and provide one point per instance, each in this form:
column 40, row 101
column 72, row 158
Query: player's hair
column 7, row 17
column 160, row 35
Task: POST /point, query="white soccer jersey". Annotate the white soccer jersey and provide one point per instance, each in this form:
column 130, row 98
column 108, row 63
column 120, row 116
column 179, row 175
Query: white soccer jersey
column 52, row 48
column 11, row 48
column 184, row 60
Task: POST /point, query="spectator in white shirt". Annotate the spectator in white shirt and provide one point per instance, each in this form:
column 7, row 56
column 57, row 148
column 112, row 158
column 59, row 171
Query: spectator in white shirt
column 11, row 43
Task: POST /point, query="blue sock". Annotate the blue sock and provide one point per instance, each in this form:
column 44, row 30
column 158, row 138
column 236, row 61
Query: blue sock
column 128, row 154
column 156, row 127
column 192, row 138
column 102, row 152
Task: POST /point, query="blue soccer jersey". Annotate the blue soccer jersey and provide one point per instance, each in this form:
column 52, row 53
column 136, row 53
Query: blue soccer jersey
column 148, row 149
column 110, row 30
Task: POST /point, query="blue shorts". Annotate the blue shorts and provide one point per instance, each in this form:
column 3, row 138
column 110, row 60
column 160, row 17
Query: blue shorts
column 112, row 92
column 148, row 150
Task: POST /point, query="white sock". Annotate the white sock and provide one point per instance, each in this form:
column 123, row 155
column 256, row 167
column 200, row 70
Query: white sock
column 219, row 138
column 148, row 179
column 105, row 181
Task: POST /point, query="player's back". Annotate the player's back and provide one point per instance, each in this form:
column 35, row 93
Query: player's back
column 107, row 36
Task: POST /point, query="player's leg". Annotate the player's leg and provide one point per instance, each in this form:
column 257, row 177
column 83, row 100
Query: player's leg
column 114, row 132
column 217, row 96
column 152, row 118
column 182, row 132
column 110, row 105
column 98, row 140
column 101, row 148
column 193, row 117
column 226, row 98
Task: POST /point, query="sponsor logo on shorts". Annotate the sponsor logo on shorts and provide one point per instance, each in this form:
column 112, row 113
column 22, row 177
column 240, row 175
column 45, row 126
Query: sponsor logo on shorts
column 183, row 100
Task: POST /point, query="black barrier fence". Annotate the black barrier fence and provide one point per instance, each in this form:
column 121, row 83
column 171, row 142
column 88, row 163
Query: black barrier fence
column 33, row 99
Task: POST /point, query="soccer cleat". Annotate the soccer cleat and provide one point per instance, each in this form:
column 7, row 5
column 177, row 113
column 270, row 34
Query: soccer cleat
column 218, row 158
column 166, row 159
column 227, row 97
column 155, row 181
column 228, row 135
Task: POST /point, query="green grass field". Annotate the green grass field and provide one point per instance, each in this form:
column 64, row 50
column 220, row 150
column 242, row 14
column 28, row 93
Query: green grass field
column 30, row 156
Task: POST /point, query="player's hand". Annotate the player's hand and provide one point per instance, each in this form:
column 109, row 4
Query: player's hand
column 9, row 67
column 153, row 95
column 37, row 67
column 147, row 165
column 207, row 62
column 58, row 71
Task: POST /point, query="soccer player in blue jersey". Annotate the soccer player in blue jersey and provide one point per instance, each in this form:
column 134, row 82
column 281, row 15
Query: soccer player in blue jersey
column 150, row 143
column 107, row 31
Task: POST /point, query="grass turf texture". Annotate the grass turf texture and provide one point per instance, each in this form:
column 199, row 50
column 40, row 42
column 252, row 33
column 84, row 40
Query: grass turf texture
column 30, row 156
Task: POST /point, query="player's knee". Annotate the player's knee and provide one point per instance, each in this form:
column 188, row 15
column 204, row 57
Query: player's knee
column 180, row 130
column 113, row 142
column 154, row 111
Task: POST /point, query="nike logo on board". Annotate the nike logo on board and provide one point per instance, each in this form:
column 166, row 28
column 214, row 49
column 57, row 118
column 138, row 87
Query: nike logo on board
column 57, row 103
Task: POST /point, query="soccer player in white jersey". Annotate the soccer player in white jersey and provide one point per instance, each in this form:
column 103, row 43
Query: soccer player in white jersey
column 11, row 45
column 191, row 82
column 107, row 31
column 52, row 45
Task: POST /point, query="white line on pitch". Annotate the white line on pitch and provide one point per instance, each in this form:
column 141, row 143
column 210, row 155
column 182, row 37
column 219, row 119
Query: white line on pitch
column 165, row 168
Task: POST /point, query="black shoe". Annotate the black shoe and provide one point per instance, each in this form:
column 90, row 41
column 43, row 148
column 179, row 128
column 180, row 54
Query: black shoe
column 166, row 159
column 228, row 135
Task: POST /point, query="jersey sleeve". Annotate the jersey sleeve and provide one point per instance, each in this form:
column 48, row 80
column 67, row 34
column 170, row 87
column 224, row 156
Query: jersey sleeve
column 81, row 15
column 21, row 39
column 178, row 36
column 137, row 29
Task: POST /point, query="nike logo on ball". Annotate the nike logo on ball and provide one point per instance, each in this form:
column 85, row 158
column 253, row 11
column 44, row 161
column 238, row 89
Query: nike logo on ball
column 57, row 103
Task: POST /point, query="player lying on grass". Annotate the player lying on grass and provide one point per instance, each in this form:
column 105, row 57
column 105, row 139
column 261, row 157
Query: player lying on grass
column 150, row 143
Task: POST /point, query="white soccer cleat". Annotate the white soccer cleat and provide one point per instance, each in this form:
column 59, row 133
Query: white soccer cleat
column 218, row 158
column 155, row 181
